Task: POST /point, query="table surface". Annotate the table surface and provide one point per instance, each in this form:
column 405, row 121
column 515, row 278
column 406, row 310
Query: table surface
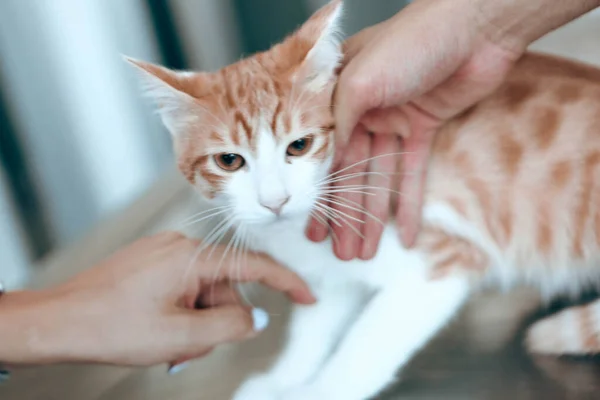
column 479, row 356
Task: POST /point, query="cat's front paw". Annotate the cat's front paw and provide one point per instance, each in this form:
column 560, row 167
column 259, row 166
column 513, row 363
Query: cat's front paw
column 259, row 387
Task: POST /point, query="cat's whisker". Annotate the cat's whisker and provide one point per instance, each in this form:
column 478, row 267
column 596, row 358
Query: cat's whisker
column 318, row 107
column 215, row 231
column 341, row 214
column 202, row 213
column 366, row 160
column 361, row 187
column 234, row 267
column 357, row 175
column 244, row 264
column 220, row 235
column 347, row 191
column 319, row 218
column 324, row 222
column 362, row 211
column 205, row 244
column 329, row 200
column 218, row 119
column 197, row 221
column 328, row 214
column 338, row 199
column 228, row 247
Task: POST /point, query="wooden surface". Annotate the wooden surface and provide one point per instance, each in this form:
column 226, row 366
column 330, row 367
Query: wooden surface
column 479, row 356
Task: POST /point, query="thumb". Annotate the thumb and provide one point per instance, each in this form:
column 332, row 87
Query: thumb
column 219, row 325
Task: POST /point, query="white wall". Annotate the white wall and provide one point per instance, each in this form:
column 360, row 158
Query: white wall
column 14, row 257
column 93, row 142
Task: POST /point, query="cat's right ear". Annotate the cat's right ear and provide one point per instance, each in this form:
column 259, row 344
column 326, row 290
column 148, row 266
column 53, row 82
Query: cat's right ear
column 170, row 91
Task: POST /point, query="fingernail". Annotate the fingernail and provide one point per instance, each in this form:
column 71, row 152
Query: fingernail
column 177, row 368
column 260, row 318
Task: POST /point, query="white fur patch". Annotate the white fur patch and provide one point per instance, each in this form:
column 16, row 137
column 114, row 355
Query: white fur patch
column 325, row 56
column 175, row 108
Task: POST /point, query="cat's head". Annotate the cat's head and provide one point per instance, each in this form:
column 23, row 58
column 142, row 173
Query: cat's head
column 257, row 135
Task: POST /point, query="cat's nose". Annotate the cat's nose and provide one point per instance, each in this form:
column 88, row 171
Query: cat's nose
column 275, row 205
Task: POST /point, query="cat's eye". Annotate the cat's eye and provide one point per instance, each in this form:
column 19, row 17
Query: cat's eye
column 229, row 162
column 300, row 147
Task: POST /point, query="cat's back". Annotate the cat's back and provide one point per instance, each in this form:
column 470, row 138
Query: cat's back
column 523, row 164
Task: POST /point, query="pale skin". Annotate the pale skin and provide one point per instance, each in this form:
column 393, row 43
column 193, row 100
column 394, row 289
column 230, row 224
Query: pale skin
column 403, row 79
column 136, row 308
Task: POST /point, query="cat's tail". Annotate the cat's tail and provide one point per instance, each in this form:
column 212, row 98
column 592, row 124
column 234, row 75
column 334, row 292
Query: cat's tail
column 573, row 331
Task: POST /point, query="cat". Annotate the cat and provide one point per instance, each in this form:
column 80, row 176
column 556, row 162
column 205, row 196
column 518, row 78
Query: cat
column 512, row 198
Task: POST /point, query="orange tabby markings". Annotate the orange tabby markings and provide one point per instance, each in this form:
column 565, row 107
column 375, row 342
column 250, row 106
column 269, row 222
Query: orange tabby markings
column 276, row 114
column 505, row 217
column 241, row 121
column 450, row 253
column 568, row 93
column 517, row 93
column 583, row 210
column 511, row 153
column 561, row 174
column 546, row 126
column 544, row 235
column 484, row 199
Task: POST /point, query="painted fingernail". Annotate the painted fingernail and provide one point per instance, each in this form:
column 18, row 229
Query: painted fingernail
column 260, row 318
column 175, row 369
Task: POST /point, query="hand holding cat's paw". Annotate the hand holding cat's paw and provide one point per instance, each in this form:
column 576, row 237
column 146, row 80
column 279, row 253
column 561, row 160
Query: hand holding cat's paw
column 259, row 387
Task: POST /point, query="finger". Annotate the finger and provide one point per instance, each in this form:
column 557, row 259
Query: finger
column 316, row 229
column 345, row 197
column 382, row 174
column 414, row 171
column 183, row 362
column 218, row 294
column 204, row 329
column 387, row 121
column 353, row 93
column 263, row 269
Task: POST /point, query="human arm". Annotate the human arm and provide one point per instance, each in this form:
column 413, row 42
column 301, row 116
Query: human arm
column 136, row 307
column 406, row 77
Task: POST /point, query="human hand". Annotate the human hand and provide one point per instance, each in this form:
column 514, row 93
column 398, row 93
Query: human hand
column 404, row 78
column 137, row 307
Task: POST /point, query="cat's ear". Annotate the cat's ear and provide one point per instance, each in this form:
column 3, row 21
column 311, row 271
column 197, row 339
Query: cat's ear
column 322, row 32
column 172, row 93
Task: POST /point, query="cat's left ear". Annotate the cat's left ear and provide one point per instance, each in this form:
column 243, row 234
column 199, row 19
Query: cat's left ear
column 173, row 92
column 322, row 32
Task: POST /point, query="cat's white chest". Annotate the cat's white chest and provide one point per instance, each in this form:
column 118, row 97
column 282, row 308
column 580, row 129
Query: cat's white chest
column 317, row 264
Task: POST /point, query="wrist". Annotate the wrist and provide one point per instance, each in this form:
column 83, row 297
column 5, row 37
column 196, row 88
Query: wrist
column 27, row 332
column 515, row 24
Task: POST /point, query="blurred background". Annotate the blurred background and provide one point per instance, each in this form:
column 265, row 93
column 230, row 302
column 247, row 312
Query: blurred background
column 77, row 142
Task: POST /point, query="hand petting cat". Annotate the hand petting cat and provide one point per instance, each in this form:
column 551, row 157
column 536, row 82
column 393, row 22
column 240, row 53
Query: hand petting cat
column 401, row 81
column 136, row 308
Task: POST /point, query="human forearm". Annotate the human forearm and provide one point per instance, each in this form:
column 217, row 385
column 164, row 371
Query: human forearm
column 514, row 24
column 28, row 333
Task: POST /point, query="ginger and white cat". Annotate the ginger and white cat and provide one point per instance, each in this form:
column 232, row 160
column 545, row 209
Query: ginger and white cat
column 513, row 197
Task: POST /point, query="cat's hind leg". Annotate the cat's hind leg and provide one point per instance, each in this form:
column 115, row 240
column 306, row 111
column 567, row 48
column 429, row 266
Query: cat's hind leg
column 573, row 331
